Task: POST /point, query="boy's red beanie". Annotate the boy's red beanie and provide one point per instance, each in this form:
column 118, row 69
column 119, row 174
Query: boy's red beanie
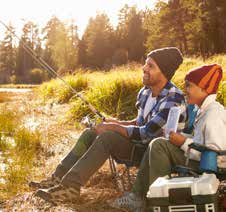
column 207, row 77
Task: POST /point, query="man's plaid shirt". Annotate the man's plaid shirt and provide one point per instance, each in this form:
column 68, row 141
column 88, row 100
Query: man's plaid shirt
column 154, row 124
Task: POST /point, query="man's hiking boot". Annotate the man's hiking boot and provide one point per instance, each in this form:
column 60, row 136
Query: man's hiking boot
column 49, row 182
column 128, row 201
column 59, row 194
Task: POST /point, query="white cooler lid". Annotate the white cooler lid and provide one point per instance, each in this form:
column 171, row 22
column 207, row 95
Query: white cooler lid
column 203, row 185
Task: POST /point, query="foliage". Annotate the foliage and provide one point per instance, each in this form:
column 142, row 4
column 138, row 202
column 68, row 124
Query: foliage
column 59, row 91
column 37, row 76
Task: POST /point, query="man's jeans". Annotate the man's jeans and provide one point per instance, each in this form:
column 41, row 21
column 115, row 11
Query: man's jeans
column 89, row 154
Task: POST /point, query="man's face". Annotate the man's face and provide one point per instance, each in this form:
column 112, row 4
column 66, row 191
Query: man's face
column 151, row 73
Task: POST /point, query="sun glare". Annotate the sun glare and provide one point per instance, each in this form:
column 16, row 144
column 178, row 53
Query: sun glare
column 18, row 12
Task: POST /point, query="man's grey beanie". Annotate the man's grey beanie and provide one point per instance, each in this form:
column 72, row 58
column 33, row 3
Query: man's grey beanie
column 168, row 60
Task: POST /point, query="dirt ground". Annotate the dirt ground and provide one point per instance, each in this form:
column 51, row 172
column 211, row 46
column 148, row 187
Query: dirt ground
column 60, row 137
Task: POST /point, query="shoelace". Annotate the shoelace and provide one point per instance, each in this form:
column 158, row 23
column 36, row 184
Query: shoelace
column 127, row 201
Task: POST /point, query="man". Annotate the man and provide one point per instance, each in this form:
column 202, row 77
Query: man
column 201, row 85
column 114, row 137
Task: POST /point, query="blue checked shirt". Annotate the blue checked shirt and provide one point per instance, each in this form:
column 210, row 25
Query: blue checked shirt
column 154, row 124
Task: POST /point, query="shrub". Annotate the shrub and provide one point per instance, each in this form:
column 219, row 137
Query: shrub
column 59, row 91
column 37, row 76
column 8, row 120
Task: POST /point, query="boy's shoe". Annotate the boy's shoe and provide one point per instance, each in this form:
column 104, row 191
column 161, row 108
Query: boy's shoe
column 128, row 201
column 49, row 182
column 59, row 194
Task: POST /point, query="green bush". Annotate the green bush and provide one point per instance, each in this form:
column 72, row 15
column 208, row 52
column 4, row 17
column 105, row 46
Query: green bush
column 58, row 91
column 37, row 76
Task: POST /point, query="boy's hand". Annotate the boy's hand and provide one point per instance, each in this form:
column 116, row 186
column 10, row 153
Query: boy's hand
column 176, row 138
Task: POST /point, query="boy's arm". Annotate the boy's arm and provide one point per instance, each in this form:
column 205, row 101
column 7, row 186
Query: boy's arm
column 212, row 135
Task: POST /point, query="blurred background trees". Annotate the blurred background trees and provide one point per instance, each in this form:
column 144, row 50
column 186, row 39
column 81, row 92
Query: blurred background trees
column 197, row 27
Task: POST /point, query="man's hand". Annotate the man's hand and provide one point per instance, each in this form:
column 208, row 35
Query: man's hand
column 111, row 120
column 111, row 127
column 176, row 139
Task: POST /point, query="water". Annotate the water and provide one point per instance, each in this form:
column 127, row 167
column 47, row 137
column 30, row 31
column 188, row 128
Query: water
column 15, row 90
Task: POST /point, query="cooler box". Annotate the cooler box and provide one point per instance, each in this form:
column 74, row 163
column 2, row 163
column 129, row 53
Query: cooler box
column 184, row 194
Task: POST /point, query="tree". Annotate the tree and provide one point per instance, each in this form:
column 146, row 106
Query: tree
column 213, row 26
column 169, row 26
column 61, row 45
column 7, row 56
column 98, row 39
column 73, row 44
column 130, row 33
column 50, row 33
column 24, row 62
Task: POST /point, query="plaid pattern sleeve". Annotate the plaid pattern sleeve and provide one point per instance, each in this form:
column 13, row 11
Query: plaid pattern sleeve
column 153, row 126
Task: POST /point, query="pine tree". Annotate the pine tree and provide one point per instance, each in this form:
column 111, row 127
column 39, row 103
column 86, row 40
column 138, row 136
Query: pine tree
column 99, row 42
column 130, row 33
column 61, row 45
column 7, row 56
column 24, row 61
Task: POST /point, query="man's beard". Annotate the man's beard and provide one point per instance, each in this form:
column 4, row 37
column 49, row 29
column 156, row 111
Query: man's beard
column 147, row 81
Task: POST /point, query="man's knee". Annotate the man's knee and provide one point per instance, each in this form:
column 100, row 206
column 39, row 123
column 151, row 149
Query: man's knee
column 109, row 139
column 88, row 132
column 88, row 136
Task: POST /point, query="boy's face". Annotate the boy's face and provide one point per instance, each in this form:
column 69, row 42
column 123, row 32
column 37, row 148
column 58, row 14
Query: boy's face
column 194, row 94
column 152, row 74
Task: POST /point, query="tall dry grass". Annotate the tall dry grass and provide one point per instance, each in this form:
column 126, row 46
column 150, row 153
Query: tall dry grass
column 114, row 92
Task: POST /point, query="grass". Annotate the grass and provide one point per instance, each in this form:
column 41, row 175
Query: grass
column 61, row 92
column 4, row 144
column 27, row 141
column 4, row 97
column 8, row 120
column 28, row 145
column 114, row 92
column 19, row 155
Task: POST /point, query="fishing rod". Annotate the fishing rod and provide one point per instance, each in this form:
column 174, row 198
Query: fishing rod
column 47, row 67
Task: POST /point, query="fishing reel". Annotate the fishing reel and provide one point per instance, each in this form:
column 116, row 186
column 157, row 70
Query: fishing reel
column 88, row 122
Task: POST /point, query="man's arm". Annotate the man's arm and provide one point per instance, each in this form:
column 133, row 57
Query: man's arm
column 124, row 123
column 154, row 128
column 111, row 127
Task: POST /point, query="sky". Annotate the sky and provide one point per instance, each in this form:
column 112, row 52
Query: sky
column 40, row 11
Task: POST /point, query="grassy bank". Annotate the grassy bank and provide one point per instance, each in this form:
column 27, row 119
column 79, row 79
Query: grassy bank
column 114, row 92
